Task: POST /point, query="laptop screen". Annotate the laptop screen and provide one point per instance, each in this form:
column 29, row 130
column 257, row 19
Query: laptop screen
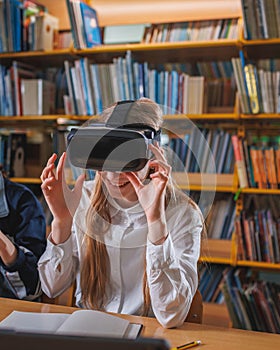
column 35, row 341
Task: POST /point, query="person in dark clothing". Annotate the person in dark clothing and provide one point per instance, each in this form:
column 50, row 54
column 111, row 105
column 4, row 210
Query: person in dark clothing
column 22, row 240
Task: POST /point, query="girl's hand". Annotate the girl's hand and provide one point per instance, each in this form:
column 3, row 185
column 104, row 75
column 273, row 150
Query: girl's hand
column 151, row 196
column 62, row 200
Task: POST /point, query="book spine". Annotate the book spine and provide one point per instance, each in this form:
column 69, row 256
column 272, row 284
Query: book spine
column 240, row 164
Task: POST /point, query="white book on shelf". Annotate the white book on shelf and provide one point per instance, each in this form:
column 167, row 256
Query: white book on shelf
column 79, row 23
column 98, row 102
column 81, row 89
column 46, row 31
column 38, row 97
column 114, row 81
column 185, row 93
column 81, row 323
column 77, row 91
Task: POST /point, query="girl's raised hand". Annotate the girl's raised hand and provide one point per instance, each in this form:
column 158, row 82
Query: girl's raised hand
column 61, row 200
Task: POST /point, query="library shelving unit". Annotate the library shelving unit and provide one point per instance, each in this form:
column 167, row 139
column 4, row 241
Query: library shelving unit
column 217, row 251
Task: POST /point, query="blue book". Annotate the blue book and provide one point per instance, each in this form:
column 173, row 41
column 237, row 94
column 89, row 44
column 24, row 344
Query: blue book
column 96, row 88
column 146, row 79
column 165, row 92
column 16, row 20
column 135, row 70
column 83, row 63
column 91, row 30
column 141, row 79
column 174, row 91
column 72, row 23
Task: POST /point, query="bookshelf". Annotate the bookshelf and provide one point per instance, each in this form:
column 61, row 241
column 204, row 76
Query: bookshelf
column 216, row 251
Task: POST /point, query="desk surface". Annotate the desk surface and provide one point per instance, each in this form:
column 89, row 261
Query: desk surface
column 211, row 337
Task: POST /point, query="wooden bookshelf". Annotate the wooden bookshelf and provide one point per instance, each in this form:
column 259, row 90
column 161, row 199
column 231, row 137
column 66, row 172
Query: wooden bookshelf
column 27, row 180
column 206, row 182
column 218, row 251
column 132, row 11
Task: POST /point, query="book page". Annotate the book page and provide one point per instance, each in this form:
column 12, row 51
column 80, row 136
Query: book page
column 33, row 321
column 94, row 323
column 81, row 322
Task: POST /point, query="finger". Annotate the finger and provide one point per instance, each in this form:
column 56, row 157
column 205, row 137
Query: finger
column 160, row 164
column 48, row 171
column 48, row 184
column 158, row 152
column 134, row 180
column 60, row 167
column 52, row 159
column 160, row 175
column 79, row 183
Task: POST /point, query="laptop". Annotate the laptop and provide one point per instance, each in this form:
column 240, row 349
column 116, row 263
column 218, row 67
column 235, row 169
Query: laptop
column 37, row 341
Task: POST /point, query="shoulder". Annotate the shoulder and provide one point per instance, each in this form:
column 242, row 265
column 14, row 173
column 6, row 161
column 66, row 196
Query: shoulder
column 182, row 208
column 183, row 202
column 16, row 189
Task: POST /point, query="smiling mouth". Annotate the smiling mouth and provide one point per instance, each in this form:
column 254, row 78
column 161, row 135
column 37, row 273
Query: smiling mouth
column 120, row 185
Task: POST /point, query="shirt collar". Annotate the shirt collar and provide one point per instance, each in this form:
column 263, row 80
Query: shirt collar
column 116, row 208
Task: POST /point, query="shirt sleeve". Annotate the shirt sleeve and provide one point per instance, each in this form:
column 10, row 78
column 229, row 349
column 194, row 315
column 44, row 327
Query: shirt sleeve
column 57, row 267
column 28, row 233
column 172, row 267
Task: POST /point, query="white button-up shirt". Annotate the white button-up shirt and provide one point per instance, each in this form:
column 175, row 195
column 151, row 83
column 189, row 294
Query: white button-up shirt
column 171, row 267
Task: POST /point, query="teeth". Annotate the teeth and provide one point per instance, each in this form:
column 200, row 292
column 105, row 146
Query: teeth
column 121, row 185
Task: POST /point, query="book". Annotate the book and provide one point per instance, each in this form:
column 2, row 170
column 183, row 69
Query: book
column 240, row 164
column 46, row 33
column 38, row 97
column 90, row 28
column 122, row 34
column 84, row 24
column 80, row 323
column 19, row 71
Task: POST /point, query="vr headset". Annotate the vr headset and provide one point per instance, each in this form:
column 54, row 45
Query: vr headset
column 117, row 145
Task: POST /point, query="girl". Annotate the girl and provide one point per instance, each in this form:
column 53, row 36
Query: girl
column 130, row 240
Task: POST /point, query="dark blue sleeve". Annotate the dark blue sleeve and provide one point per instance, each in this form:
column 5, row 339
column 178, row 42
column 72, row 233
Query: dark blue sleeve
column 27, row 226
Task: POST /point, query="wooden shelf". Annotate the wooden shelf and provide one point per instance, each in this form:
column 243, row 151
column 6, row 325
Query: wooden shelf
column 259, row 265
column 217, row 250
column 26, row 180
column 166, row 52
column 262, row 48
column 205, row 182
column 260, row 191
column 261, row 116
column 39, row 58
column 205, row 116
column 221, row 49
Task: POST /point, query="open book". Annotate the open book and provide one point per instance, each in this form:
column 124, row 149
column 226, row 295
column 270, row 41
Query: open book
column 80, row 322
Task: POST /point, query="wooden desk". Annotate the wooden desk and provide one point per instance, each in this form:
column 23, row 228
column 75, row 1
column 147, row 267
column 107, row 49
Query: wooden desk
column 212, row 337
